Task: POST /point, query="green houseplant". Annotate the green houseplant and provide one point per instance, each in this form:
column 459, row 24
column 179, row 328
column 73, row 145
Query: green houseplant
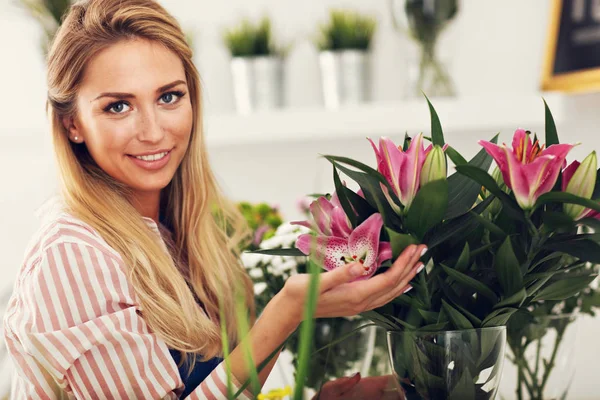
column 257, row 65
column 344, row 44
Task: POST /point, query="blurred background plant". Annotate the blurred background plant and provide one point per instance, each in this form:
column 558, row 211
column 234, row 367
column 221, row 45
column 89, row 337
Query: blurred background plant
column 249, row 39
column 48, row 14
column 346, row 30
column 423, row 21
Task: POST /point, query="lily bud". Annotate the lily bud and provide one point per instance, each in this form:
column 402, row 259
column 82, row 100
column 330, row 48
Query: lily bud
column 434, row 167
column 579, row 179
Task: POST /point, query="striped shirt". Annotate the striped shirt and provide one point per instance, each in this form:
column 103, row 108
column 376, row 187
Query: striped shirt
column 73, row 325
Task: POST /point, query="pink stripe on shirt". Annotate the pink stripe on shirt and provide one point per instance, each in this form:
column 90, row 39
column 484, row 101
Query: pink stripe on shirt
column 74, row 329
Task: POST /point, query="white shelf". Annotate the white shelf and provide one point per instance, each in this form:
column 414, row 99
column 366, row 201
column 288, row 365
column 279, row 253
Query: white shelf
column 485, row 114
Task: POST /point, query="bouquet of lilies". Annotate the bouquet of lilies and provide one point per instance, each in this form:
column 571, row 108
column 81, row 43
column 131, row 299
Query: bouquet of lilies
column 498, row 243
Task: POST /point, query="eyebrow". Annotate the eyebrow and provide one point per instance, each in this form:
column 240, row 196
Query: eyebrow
column 119, row 95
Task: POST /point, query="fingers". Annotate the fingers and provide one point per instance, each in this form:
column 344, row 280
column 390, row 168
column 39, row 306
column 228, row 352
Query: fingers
column 402, row 287
column 399, row 271
column 353, row 298
column 340, row 275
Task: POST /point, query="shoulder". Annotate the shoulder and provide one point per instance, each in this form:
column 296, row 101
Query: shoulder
column 58, row 228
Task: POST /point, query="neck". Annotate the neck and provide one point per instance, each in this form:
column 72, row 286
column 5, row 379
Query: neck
column 147, row 204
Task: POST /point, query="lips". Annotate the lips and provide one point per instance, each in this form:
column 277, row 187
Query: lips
column 152, row 160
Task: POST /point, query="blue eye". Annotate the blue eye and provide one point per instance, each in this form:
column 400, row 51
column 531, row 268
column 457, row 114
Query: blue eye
column 171, row 97
column 117, row 108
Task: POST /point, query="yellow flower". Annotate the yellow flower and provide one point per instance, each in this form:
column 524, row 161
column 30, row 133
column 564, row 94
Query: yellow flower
column 276, row 394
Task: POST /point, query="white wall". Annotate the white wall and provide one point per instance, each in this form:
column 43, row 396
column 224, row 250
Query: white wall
column 498, row 48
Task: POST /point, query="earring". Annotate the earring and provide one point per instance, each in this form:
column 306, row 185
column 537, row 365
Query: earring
column 76, row 138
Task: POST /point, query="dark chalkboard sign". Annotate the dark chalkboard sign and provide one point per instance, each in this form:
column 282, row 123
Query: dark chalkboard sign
column 573, row 46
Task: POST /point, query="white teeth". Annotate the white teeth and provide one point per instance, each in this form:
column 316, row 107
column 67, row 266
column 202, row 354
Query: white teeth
column 152, row 157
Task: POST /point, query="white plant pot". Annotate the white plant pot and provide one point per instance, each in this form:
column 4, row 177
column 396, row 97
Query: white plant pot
column 345, row 77
column 257, row 83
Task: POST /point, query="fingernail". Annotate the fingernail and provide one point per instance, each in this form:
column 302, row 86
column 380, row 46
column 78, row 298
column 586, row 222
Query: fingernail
column 357, row 270
column 423, row 251
column 420, row 268
column 408, row 289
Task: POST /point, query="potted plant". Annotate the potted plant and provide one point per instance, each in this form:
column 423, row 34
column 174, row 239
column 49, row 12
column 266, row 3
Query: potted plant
column 257, row 66
column 344, row 43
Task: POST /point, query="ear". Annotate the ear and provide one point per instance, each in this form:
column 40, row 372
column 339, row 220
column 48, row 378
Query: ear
column 72, row 128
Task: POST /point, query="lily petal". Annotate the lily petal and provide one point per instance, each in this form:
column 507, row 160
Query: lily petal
column 567, row 174
column 385, row 251
column 321, row 211
column 340, row 226
column 332, row 251
column 411, row 170
column 363, row 243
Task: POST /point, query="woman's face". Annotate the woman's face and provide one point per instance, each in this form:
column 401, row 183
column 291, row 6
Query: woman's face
column 134, row 114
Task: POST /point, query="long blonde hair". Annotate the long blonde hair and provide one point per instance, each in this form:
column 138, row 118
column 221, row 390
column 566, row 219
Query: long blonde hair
column 207, row 245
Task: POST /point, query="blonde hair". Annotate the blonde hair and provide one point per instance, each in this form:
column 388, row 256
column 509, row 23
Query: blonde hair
column 206, row 246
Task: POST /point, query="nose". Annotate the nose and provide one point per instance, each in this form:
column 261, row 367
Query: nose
column 150, row 130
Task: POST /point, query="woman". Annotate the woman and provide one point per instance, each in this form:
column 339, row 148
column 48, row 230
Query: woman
column 125, row 287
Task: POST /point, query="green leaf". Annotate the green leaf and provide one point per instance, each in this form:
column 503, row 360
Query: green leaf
column 462, row 190
column 507, row 268
column 442, row 326
column 584, row 249
column 486, row 180
column 455, row 156
column 306, row 330
column 494, row 229
column 557, row 220
column 292, row 252
column 370, row 184
column 472, row 283
column 465, row 388
column 403, row 323
column 429, row 316
column 564, row 289
column 437, row 135
column 457, row 319
column 379, row 319
column 551, row 134
column 515, row 300
column 399, row 242
column 568, row 198
column 339, row 189
column 241, row 312
column 451, row 229
column 428, row 208
column 345, row 336
column 463, row 260
column 498, row 317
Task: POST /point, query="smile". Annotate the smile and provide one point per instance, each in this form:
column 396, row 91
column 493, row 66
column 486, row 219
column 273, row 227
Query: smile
column 153, row 157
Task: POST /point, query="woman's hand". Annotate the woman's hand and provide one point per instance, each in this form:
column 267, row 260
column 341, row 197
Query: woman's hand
column 355, row 387
column 339, row 296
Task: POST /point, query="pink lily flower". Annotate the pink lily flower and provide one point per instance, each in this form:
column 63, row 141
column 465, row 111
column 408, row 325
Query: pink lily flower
column 401, row 169
column 528, row 169
column 362, row 245
column 329, row 218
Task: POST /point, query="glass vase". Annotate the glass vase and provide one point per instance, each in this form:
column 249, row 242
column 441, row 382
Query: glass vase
column 451, row 365
column 544, row 359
